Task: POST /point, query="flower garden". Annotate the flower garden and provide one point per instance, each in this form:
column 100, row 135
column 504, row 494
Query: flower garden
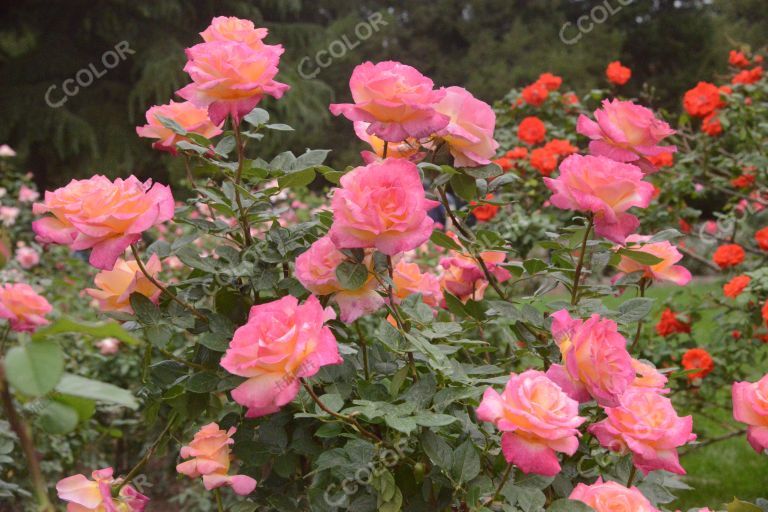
column 507, row 307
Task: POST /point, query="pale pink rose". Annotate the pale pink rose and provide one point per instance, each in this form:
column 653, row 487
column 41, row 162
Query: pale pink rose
column 408, row 149
column 612, row 497
column 102, row 215
column 193, row 119
column 8, row 215
column 95, row 495
column 316, row 271
column 231, row 78
column 408, row 279
column 24, row 309
column 647, row 425
column 647, row 376
column 750, row 406
column 27, row 194
column 27, row 257
column 537, row 420
column 229, row 28
column 209, row 456
column 114, row 287
column 626, row 132
column 665, row 270
column 463, row 277
column 281, row 342
column 6, row 151
column 108, row 346
column 396, row 99
column 469, row 133
column 603, row 187
column 595, row 359
column 381, row 205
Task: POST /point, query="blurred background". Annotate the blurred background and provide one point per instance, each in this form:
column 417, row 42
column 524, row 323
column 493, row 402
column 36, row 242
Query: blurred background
column 77, row 76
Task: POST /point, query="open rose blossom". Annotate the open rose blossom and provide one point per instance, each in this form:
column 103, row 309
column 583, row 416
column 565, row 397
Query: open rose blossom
column 408, row 149
column 102, row 215
column 193, row 119
column 537, row 419
column 735, row 286
column 114, row 287
column 665, row 270
column 95, row 495
column 618, row 74
column 531, row 130
column 469, row 133
column 702, row 100
column 209, row 456
column 463, row 277
column 728, row 255
column 612, row 497
column 697, row 359
column 645, row 424
column 669, row 324
column 626, row 132
column 408, row 279
column 761, row 237
column 24, row 309
column 232, row 71
column 381, row 205
column 750, row 406
column 603, row 187
column 316, row 271
column 595, row 359
column 398, row 101
column 282, row 342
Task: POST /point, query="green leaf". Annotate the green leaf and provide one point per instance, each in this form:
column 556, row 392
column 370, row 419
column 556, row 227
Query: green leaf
column 404, row 425
column 534, row 266
column 440, row 239
column 331, row 400
column 351, row 276
column 641, row 257
column 225, row 146
column 257, row 116
column 295, row 179
column 466, row 462
column 430, row 419
column 146, row 311
column 85, row 408
column 742, row 506
column 279, row 127
column 566, row 505
column 203, row 382
column 486, row 171
column 96, row 329
column 58, row 418
column 171, row 125
column 95, row 390
column 34, row 368
column 634, row 309
column 464, row 186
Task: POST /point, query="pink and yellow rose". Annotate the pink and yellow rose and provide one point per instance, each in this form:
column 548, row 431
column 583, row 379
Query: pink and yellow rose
column 114, row 287
column 190, row 117
column 469, row 134
column 24, row 309
column 95, row 495
column 230, row 28
column 612, row 497
column 750, row 406
column 408, row 279
column 665, row 270
column 463, row 276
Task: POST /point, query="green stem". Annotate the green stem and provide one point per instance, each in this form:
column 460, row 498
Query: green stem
column 363, row 349
column 396, row 314
column 641, row 293
column 134, row 472
column 238, row 178
column 580, row 263
column 219, row 504
column 347, row 419
column 503, row 481
column 631, row 478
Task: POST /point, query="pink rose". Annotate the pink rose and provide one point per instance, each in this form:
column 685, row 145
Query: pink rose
column 24, row 309
column 537, row 420
column 225, row 28
column 209, row 456
column 114, row 287
column 469, row 133
column 408, row 279
column 463, row 277
column 408, row 149
column 8, row 215
column 646, row 424
column 108, row 346
column 27, row 194
column 626, row 132
column 102, row 215
column 396, row 99
column 603, row 187
column 281, row 342
column 665, row 270
column 231, row 78
column 27, row 257
column 381, row 205
column 193, row 119
column 595, row 359
column 750, row 406
column 95, row 495
column 612, row 497
column 316, row 271
column 647, row 376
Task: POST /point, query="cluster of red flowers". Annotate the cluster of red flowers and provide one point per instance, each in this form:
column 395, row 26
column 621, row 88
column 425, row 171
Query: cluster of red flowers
column 669, row 324
column 546, row 158
column 537, row 93
column 746, row 180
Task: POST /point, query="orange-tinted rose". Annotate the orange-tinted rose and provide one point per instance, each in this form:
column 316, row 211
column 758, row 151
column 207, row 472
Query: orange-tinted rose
column 698, row 359
column 728, row 255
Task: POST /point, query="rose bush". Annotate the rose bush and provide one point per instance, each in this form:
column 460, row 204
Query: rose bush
column 283, row 350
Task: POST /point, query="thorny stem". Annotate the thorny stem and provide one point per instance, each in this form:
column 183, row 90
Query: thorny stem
column 134, row 472
column 347, row 419
column 580, row 263
column 238, row 178
column 641, row 293
column 163, row 289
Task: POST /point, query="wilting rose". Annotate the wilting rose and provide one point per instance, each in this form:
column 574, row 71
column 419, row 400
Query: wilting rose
column 647, row 425
column 231, row 78
column 469, row 133
column 381, row 205
column 24, row 309
column 114, row 287
column 190, row 117
column 316, row 271
column 209, row 456
column 408, row 279
column 612, row 497
column 102, row 215
column 626, row 132
column 537, row 419
column 463, row 277
column 750, row 406
column 398, row 101
column 282, row 342
column 229, row 28
column 665, row 270
column 603, row 187
column 595, row 358
column 95, row 495
column 408, row 149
